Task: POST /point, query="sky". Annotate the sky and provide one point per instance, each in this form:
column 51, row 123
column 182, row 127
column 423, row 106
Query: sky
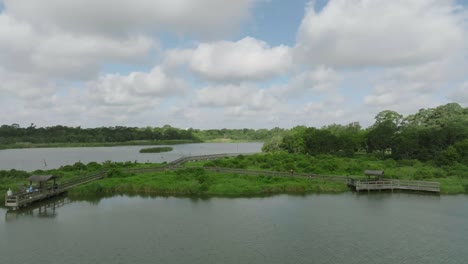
column 228, row 64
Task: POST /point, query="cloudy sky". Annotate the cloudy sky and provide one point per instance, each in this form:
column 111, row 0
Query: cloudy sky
column 232, row 63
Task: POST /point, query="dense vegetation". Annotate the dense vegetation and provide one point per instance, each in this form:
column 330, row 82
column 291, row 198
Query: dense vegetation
column 193, row 181
column 190, row 181
column 156, row 150
column 439, row 135
column 196, row 181
column 238, row 134
column 453, row 178
column 14, row 134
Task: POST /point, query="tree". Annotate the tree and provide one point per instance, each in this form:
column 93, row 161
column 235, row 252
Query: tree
column 380, row 137
column 388, row 116
column 318, row 141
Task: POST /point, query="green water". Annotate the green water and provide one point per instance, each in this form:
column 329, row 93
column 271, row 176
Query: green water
column 346, row 228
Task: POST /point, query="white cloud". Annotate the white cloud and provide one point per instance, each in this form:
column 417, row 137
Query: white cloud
column 246, row 59
column 406, row 89
column 351, row 60
column 26, row 86
column 207, row 17
column 332, row 109
column 235, row 96
column 57, row 54
column 136, row 88
column 319, row 80
column 17, row 42
column 460, row 94
column 380, row 32
column 82, row 56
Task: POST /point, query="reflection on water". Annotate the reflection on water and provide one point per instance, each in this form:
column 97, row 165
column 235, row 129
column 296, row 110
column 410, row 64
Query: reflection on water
column 345, row 228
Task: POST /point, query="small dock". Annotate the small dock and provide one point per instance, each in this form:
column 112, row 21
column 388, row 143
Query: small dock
column 43, row 191
column 421, row 186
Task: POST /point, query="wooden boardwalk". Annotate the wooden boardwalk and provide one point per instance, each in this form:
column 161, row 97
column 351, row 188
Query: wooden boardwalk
column 422, row 186
column 23, row 199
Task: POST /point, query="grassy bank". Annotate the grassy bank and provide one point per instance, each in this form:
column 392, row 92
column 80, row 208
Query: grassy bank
column 453, row 179
column 95, row 144
column 156, row 150
column 17, row 180
column 196, row 181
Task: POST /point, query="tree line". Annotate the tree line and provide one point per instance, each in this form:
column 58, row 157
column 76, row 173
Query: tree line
column 435, row 134
column 11, row 134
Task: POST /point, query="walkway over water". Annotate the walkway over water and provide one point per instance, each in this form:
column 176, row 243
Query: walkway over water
column 25, row 198
column 423, row 186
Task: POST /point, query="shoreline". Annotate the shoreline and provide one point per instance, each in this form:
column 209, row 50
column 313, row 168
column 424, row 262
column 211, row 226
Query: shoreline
column 118, row 144
column 100, row 144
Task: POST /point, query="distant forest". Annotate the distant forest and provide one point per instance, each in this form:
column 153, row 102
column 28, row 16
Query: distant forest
column 13, row 134
column 435, row 134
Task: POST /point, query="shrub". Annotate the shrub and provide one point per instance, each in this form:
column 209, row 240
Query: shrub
column 116, row 173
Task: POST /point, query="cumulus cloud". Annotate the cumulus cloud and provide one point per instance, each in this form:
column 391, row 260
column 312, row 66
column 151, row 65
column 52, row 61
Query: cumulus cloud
column 206, row 17
column 318, row 80
column 246, row 59
column 408, row 88
column 81, row 57
column 136, row 88
column 243, row 95
column 59, row 54
column 25, row 86
column 55, row 58
column 380, row 32
column 332, row 109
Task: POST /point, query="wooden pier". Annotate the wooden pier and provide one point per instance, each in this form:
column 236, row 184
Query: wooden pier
column 422, row 186
column 25, row 198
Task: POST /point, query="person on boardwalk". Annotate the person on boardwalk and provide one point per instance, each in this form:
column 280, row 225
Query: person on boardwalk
column 9, row 192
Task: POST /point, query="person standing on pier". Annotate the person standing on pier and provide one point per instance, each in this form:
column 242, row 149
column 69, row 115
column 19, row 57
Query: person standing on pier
column 9, row 192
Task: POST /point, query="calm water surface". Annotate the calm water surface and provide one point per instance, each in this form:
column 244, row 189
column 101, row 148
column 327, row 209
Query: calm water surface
column 50, row 158
column 347, row 228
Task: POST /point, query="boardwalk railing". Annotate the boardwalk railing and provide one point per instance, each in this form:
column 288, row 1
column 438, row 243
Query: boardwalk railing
column 81, row 180
column 277, row 174
column 22, row 198
column 25, row 198
column 396, row 185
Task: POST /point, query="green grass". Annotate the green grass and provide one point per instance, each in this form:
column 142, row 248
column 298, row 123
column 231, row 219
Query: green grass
column 17, row 180
column 156, row 150
column 196, row 181
column 453, row 179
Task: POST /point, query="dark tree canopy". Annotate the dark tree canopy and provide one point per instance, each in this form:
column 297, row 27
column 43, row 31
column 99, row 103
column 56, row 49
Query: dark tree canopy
column 438, row 134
